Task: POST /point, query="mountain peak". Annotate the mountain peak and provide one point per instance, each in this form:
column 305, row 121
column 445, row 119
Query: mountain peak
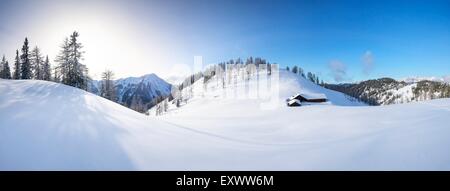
column 146, row 90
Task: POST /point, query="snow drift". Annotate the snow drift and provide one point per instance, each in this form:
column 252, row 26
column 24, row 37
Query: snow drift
column 49, row 126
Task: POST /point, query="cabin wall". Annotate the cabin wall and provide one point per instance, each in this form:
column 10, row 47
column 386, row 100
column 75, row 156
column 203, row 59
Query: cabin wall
column 317, row 100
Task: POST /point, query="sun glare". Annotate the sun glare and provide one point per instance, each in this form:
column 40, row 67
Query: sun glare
column 110, row 41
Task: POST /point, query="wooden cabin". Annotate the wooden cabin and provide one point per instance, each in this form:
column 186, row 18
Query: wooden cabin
column 312, row 98
column 315, row 98
column 294, row 103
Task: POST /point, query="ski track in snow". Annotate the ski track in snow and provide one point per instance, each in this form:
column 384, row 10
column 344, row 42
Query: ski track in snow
column 249, row 141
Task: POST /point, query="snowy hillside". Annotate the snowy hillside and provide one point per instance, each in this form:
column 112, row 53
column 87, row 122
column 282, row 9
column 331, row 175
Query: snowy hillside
column 385, row 91
column 208, row 93
column 291, row 83
column 404, row 94
column 44, row 125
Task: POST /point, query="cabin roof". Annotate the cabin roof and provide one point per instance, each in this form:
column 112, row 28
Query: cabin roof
column 293, row 97
column 310, row 96
column 294, row 102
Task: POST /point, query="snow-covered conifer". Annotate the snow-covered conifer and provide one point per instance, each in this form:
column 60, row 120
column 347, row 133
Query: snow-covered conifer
column 25, row 64
column 46, row 70
column 37, row 62
column 5, row 72
column 16, row 74
column 72, row 71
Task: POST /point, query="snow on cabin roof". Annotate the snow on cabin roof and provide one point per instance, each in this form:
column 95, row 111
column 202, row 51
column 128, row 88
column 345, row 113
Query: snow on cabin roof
column 309, row 96
column 293, row 97
column 294, row 101
column 313, row 96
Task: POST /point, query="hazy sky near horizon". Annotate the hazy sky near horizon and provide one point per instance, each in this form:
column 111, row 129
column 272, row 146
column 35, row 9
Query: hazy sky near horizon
column 341, row 41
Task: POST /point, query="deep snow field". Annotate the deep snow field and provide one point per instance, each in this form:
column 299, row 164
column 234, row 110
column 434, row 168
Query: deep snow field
column 49, row 126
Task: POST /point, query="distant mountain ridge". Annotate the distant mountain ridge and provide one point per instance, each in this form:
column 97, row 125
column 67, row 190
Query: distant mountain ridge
column 444, row 79
column 138, row 93
column 385, row 91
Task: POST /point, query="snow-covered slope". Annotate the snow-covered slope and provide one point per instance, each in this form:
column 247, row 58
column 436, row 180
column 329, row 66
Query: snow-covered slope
column 238, row 93
column 404, row 94
column 291, row 83
column 385, row 91
column 44, row 125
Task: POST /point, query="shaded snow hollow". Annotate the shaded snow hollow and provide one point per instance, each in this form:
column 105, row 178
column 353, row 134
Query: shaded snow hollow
column 49, row 126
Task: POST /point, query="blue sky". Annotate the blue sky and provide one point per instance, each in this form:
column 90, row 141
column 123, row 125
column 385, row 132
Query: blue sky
column 341, row 41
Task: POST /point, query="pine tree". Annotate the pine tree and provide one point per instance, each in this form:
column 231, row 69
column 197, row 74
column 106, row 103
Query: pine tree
column 310, row 76
column 47, row 74
column 78, row 72
column 72, row 71
column 56, row 75
column 295, row 69
column 176, row 94
column 287, row 68
column 5, row 72
column 178, row 102
column 25, row 65
column 249, row 61
column 166, row 105
column 63, row 59
column 301, row 72
column 2, row 63
column 137, row 104
column 16, row 74
column 107, row 89
column 37, row 63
